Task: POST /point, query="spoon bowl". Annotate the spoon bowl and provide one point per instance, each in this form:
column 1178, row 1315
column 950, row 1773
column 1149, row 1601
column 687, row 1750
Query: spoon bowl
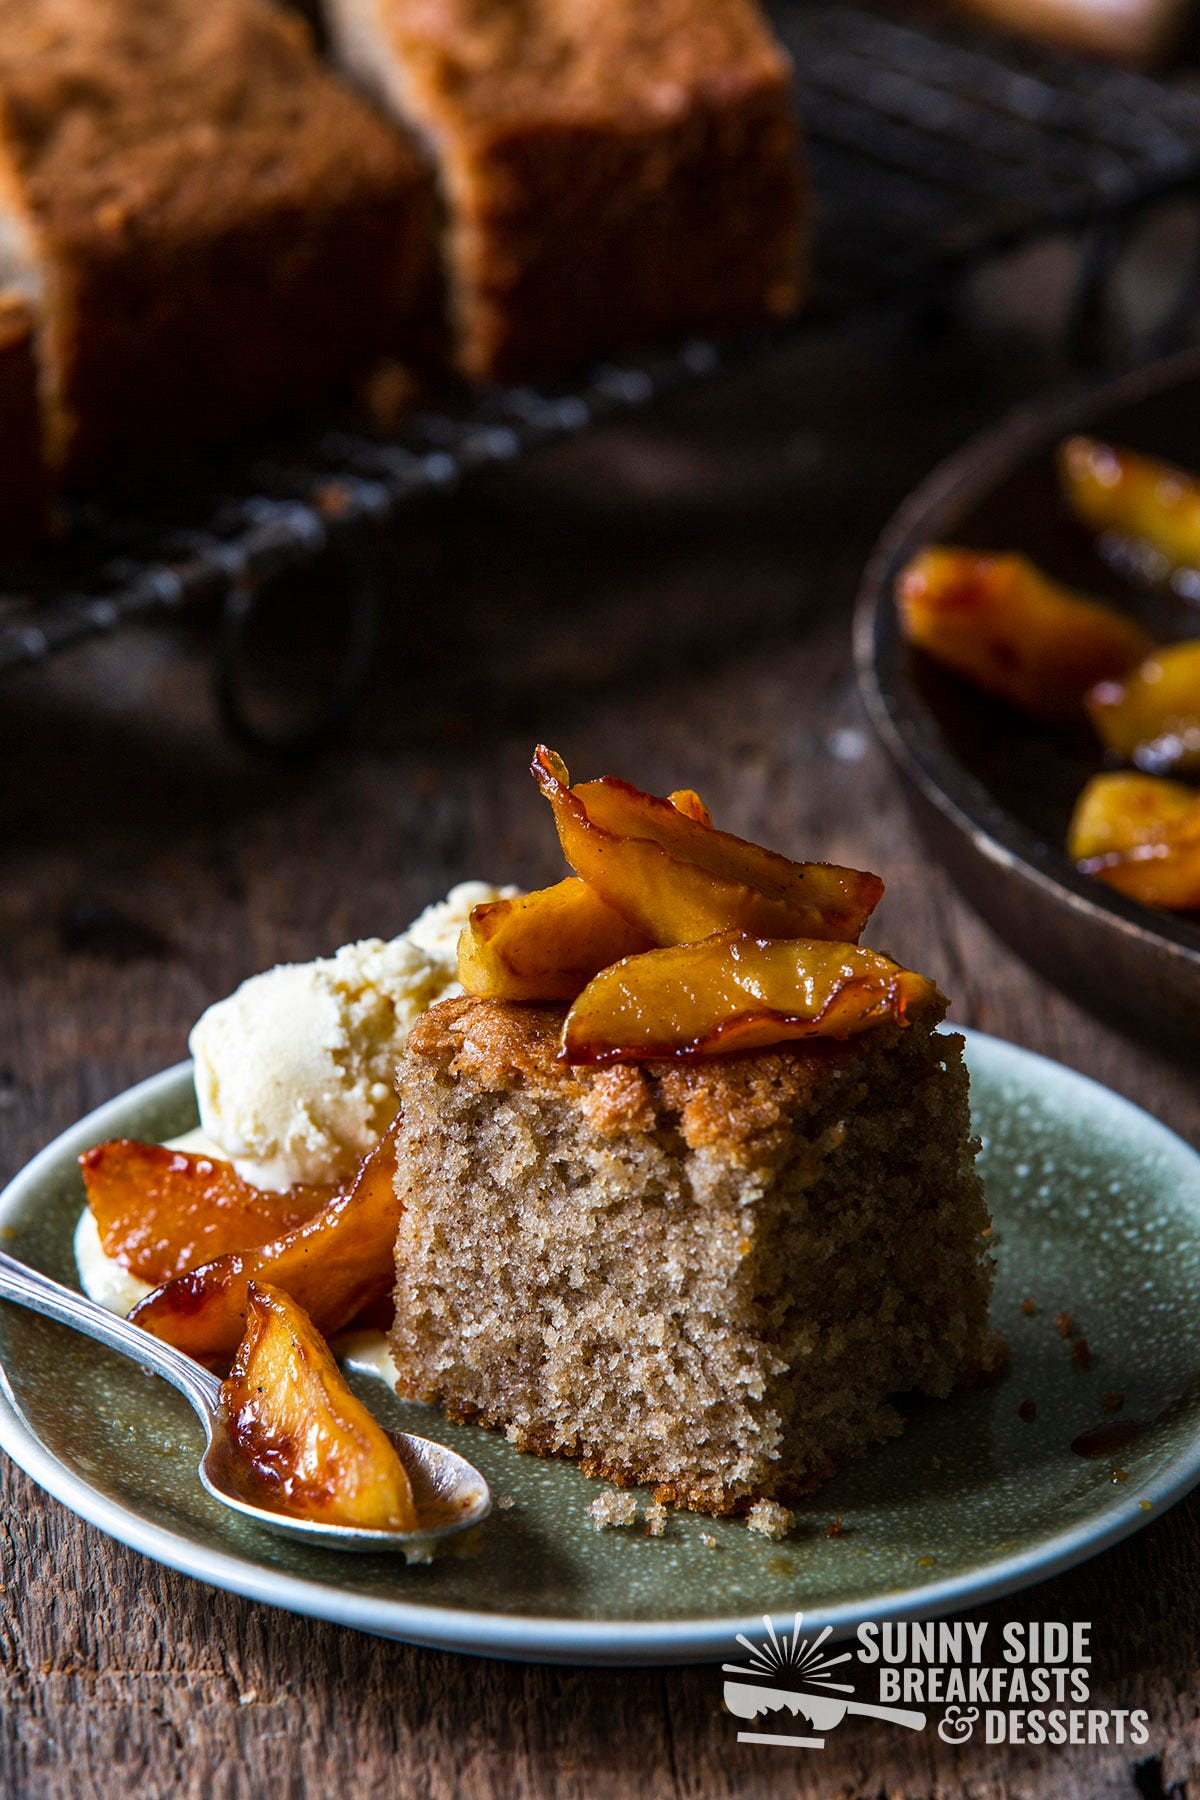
column 450, row 1494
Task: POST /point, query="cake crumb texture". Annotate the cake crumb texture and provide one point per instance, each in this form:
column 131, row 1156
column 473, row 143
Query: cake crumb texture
column 770, row 1519
column 613, row 1508
column 709, row 1277
column 656, row 1518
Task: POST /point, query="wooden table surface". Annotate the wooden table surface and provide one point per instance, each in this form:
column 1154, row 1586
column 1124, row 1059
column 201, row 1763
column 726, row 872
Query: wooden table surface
column 671, row 601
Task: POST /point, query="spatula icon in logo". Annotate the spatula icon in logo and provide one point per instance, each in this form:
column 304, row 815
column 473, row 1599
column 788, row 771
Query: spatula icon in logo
column 790, row 1656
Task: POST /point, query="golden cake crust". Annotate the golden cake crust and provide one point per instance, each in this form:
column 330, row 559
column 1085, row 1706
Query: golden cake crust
column 741, row 1107
column 503, row 62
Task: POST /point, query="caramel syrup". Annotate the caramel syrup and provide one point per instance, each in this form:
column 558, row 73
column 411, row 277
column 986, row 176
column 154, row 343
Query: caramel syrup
column 1103, row 1439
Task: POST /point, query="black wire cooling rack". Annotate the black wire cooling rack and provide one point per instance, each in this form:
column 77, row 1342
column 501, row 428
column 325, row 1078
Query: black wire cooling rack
column 930, row 146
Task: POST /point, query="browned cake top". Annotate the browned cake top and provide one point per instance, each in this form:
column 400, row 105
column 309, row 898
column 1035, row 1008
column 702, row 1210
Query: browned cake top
column 505, row 58
column 120, row 112
column 722, row 1103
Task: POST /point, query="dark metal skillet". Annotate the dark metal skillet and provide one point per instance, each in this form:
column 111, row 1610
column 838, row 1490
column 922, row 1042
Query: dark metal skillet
column 991, row 791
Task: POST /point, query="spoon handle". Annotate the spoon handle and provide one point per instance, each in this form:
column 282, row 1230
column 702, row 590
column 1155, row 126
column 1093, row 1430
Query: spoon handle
column 29, row 1287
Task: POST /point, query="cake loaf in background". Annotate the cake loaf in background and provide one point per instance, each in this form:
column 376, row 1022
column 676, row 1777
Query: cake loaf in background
column 614, row 172
column 212, row 230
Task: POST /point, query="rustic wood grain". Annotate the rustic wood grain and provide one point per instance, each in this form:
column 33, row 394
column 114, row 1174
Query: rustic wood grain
column 669, row 600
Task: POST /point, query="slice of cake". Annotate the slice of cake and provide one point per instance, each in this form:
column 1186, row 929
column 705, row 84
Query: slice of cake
column 710, row 1274
column 613, row 171
column 210, row 228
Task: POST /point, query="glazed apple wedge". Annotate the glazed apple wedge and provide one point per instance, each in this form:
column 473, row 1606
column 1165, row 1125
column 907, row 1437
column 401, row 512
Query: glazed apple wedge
column 676, row 880
column 1151, row 716
column 543, row 946
column 305, row 1445
column 1164, row 875
column 1120, row 812
column 688, row 802
column 1134, row 496
column 334, row 1265
column 735, row 992
column 1140, row 835
column 1001, row 623
column 161, row 1211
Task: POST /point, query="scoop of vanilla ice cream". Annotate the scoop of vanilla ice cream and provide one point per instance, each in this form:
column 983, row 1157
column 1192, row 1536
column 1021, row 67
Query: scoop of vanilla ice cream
column 294, row 1072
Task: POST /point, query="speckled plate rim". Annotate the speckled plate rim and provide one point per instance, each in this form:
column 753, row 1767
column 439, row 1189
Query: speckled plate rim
column 527, row 1638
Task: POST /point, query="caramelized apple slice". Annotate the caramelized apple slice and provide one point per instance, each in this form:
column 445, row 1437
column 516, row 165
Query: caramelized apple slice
column 735, row 992
column 1134, row 497
column 1116, row 813
column 1140, row 835
column 305, row 1445
column 336, row 1264
column 1010, row 630
column 162, row 1211
column 676, row 880
column 1152, row 715
column 1166, row 876
column 688, row 802
column 543, row 946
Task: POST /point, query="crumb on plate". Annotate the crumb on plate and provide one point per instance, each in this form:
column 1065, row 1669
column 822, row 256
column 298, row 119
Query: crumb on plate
column 770, row 1519
column 613, row 1508
column 656, row 1518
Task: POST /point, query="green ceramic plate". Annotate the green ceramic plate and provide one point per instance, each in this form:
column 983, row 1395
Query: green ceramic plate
column 1097, row 1212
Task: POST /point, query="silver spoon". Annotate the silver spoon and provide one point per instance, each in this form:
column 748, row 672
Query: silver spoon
column 448, row 1491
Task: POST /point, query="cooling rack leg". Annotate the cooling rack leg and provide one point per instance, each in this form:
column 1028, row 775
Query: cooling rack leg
column 294, row 653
